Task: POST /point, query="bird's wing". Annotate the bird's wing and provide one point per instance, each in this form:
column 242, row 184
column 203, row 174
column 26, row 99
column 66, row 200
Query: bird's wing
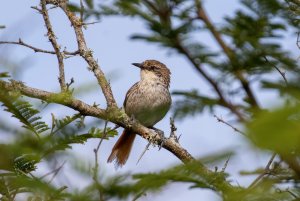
column 129, row 92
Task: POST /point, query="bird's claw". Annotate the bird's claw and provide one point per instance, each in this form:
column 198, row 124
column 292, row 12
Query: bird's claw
column 162, row 137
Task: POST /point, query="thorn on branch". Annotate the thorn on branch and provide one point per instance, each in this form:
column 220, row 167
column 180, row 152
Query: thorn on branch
column 173, row 129
column 96, row 105
column 53, row 7
column 90, row 23
column 70, row 83
column 115, row 128
column 225, row 165
column 36, row 8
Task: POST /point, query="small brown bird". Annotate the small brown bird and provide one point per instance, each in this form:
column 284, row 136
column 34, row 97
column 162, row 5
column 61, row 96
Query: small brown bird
column 147, row 101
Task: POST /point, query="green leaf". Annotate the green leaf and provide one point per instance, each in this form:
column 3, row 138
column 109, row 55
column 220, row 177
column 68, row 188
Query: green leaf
column 73, row 7
column 277, row 130
column 4, row 75
column 89, row 3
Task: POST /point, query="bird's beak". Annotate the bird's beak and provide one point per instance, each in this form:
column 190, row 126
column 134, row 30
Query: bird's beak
column 138, row 65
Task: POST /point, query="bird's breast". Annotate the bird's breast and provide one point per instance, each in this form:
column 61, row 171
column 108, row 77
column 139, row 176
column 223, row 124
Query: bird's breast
column 149, row 102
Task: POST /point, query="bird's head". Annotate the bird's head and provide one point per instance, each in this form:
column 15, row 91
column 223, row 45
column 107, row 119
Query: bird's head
column 152, row 69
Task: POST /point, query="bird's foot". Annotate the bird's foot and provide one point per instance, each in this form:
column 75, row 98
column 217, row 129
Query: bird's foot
column 162, row 137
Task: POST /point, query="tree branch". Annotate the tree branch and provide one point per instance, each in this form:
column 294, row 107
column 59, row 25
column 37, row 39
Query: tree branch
column 227, row 50
column 114, row 115
column 85, row 52
column 55, row 45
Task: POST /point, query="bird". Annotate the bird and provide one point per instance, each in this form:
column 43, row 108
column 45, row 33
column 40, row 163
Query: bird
column 147, row 101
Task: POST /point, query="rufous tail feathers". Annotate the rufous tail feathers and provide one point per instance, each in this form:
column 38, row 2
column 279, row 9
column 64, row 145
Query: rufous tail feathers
column 121, row 149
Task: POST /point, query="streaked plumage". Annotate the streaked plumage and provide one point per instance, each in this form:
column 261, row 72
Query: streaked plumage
column 148, row 101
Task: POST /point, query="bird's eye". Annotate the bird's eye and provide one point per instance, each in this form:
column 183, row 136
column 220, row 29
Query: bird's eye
column 152, row 68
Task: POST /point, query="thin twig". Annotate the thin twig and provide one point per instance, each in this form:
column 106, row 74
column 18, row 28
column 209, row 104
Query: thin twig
column 56, row 47
column 142, row 154
column 292, row 193
column 55, row 171
column 95, row 177
column 298, row 40
column 96, row 168
column 266, row 171
column 20, row 42
column 228, row 124
column 35, row 49
column 279, row 71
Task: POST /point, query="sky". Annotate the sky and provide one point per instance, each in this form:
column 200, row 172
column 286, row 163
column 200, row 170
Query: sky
column 200, row 135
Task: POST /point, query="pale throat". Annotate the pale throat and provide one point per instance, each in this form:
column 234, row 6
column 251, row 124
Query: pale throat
column 150, row 77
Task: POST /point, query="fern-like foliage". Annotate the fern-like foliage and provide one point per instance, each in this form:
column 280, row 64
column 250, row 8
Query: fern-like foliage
column 63, row 142
column 25, row 113
column 192, row 173
column 24, row 164
column 59, row 124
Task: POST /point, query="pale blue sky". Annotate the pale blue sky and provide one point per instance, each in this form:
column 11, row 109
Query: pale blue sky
column 110, row 43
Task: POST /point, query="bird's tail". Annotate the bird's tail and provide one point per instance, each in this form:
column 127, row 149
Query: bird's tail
column 121, row 149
